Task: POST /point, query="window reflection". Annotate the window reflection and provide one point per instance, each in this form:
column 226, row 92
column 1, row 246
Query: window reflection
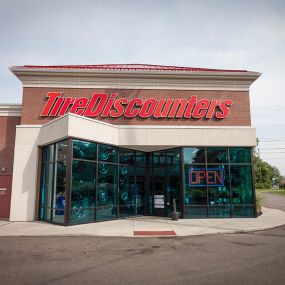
column 84, row 150
column 127, row 190
column 211, row 197
column 217, row 155
column 241, row 182
column 58, row 203
column 158, row 158
column 194, row 155
column 61, row 150
column 240, row 155
column 127, row 156
column 107, row 153
column 109, row 182
column 106, row 191
column 173, row 157
column 83, row 191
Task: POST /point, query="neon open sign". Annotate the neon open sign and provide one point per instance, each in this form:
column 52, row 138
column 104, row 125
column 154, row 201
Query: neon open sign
column 213, row 177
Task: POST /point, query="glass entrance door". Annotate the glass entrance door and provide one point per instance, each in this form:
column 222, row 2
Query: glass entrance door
column 159, row 207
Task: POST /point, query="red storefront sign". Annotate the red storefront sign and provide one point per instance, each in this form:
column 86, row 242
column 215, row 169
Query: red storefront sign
column 104, row 105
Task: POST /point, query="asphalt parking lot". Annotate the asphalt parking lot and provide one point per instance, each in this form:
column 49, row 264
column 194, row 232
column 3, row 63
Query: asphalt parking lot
column 249, row 258
column 273, row 201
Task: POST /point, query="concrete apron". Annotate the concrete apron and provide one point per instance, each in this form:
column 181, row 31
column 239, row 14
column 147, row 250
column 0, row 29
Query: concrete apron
column 148, row 226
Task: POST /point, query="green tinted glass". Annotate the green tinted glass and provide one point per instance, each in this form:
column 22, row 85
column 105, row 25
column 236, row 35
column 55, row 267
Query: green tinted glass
column 84, row 150
column 107, row 153
column 126, row 156
column 194, row 155
column 240, row 155
column 83, row 191
column 241, row 182
column 217, row 155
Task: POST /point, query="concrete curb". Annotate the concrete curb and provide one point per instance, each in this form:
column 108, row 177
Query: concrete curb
column 271, row 218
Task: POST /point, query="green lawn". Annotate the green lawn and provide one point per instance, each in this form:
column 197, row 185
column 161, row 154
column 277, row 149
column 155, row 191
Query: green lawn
column 272, row 191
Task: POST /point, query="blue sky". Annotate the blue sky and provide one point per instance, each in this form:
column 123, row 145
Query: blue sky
column 216, row 34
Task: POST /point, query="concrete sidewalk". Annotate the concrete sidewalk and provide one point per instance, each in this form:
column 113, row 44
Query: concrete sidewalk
column 125, row 228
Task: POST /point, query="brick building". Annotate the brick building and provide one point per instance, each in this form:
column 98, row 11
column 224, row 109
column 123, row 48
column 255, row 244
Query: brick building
column 100, row 142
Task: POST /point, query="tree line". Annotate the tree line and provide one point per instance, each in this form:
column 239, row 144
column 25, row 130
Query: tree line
column 266, row 175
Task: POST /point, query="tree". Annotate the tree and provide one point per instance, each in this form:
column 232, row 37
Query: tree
column 264, row 173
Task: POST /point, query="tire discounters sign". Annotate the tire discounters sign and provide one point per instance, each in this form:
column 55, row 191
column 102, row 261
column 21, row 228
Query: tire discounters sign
column 105, row 105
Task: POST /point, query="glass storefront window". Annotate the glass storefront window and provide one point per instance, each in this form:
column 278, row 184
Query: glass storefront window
column 83, row 191
column 106, row 191
column 46, row 191
column 61, row 150
column 242, row 211
column 127, row 190
column 158, row 158
column 48, row 153
column 217, row 155
column 241, row 182
column 126, row 156
column 240, row 155
column 196, row 196
column 58, row 203
column 218, row 196
column 141, row 159
column 195, row 186
column 107, row 153
column 141, row 190
column 195, row 211
column 194, row 155
column 173, row 157
column 222, row 187
column 84, row 150
column 173, row 187
column 109, row 182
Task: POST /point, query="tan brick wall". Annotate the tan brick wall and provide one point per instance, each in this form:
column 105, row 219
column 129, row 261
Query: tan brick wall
column 34, row 101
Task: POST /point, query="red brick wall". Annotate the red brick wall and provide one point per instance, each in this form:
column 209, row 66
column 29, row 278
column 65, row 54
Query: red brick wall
column 34, row 101
column 7, row 144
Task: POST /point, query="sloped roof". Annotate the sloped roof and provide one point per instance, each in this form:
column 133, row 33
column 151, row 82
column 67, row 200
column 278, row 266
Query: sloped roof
column 146, row 67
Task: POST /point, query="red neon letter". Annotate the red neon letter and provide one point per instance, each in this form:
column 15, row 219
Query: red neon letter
column 192, row 181
column 201, row 175
column 211, row 177
column 219, row 176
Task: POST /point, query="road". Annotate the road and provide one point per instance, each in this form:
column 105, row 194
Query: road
column 251, row 258
column 273, row 201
